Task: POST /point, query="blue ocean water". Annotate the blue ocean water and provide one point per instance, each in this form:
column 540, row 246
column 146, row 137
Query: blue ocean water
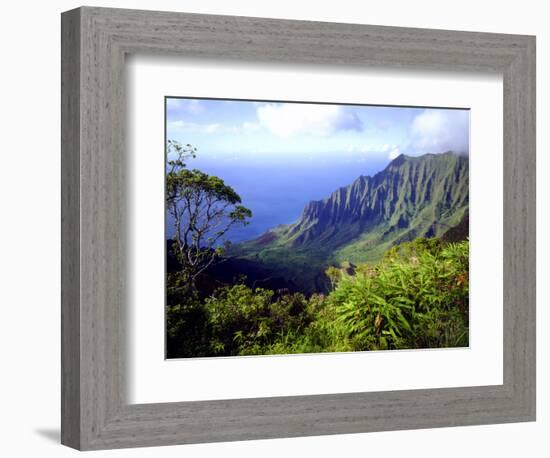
column 277, row 192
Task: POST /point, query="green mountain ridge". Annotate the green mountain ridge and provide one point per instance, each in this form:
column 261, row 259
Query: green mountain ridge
column 412, row 197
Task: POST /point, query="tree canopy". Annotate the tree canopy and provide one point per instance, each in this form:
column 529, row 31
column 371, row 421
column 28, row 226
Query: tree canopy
column 203, row 209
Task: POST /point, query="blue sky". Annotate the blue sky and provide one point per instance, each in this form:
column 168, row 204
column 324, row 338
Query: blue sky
column 279, row 132
column 279, row 156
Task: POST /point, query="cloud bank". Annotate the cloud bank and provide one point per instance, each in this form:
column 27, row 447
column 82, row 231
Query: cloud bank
column 438, row 131
column 289, row 119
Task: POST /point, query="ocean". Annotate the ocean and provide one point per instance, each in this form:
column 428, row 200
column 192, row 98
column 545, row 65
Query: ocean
column 277, row 192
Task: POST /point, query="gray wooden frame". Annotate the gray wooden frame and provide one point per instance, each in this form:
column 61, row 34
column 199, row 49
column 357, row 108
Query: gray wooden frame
column 95, row 413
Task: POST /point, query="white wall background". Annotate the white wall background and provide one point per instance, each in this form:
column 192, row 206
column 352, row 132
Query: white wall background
column 30, row 246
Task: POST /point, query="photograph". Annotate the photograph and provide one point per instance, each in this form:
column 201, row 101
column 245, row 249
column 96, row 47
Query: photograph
column 275, row 229
column 300, row 227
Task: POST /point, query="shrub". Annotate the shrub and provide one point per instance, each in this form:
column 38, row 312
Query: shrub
column 416, row 297
column 187, row 333
column 246, row 321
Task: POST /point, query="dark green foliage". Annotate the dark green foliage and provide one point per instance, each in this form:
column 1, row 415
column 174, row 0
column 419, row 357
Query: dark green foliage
column 237, row 320
column 415, row 297
column 248, row 322
column 187, row 332
column 459, row 232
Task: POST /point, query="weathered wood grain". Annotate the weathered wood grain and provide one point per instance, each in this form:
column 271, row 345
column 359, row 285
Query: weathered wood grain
column 95, row 41
column 70, row 229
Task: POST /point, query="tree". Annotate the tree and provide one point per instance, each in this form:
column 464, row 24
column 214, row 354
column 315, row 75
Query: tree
column 203, row 208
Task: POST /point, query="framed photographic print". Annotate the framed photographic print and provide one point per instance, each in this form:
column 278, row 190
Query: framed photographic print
column 288, row 228
column 277, row 245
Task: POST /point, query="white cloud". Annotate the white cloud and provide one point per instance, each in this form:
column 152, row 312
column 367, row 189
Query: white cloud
column 288, row 119
column 438, row 131
column 361, row 148
column 394, row 153
column 249, row 127
column 391, row 151
column 211, row 128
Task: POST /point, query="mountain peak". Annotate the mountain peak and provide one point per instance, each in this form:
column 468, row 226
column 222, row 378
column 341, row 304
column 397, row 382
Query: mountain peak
column 414, row 196
column 399, row 159
column 393, row 198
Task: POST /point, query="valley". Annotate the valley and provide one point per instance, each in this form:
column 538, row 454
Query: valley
column 425, row 196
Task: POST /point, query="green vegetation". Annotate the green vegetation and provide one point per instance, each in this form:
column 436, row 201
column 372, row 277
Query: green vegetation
column 415, row 297
column 397, row 244
column 203, row 209
column 412, row 197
